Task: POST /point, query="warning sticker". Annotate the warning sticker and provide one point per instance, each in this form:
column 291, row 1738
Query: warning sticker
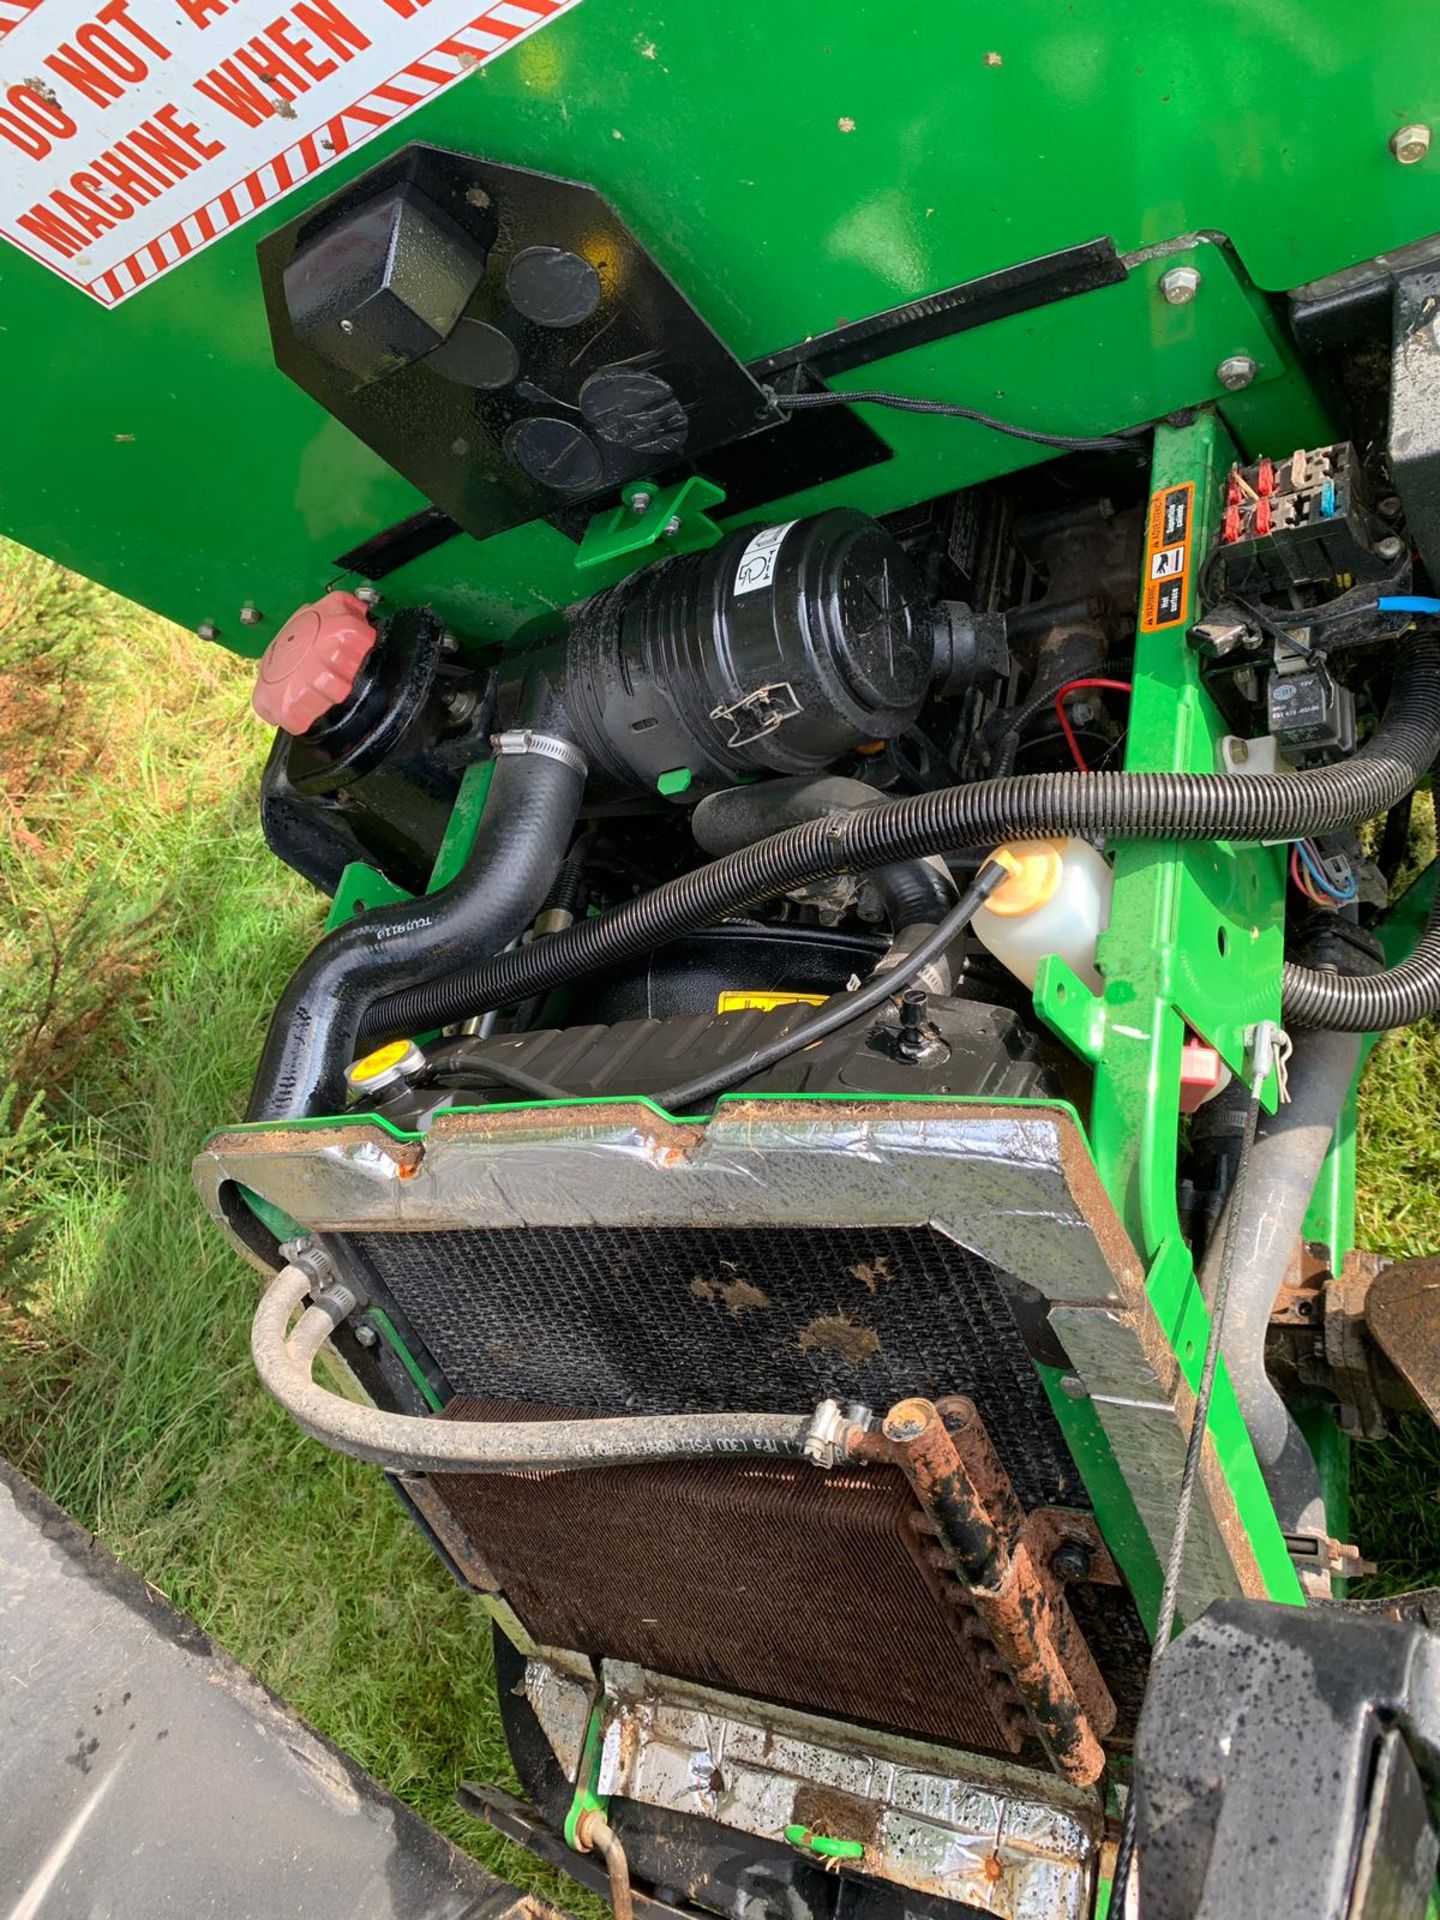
column 734, row 1000
column 1169, row 540
column 757, row 562
column 134, row 133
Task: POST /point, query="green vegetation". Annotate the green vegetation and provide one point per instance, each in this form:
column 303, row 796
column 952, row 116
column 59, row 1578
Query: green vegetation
column 144, row 933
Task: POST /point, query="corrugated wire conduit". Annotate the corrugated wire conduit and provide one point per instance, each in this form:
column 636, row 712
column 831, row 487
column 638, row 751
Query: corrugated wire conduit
column 1243, row 808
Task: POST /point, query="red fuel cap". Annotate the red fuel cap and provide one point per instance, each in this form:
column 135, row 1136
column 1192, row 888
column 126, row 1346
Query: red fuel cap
column 311, row 664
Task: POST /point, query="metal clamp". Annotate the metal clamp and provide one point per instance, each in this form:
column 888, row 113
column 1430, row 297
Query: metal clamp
column 524, row 740
column 830, row 1433
column 759, row 713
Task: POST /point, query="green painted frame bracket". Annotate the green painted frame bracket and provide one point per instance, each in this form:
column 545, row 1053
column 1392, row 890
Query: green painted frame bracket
column 360, row 889
column 675, row 519
column 463, row 824
column 587, row 1800
column 1195, row 941
column 1072, row 1010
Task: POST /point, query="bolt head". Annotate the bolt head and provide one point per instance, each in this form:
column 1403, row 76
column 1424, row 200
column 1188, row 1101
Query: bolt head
column 640, row 502
column 251, row 616
column 368, row 596
column 672, row 526
column 1180, row 285
column 1074, row 1387
column 365, row 1334
column 1236, row 371
column 1410, row 144
column 208, row 630
column 1391, row 547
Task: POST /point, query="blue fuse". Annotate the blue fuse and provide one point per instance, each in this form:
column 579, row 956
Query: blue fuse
column 1327, row 500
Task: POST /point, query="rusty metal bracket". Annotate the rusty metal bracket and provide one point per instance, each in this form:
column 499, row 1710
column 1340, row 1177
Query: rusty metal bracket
column 946, row 1455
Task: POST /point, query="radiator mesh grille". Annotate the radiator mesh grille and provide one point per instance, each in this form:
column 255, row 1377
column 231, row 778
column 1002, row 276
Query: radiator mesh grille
column 764, row 1319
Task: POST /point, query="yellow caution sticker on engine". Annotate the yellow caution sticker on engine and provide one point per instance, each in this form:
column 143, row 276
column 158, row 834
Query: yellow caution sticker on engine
column 1169, row 543
column 740, row 1001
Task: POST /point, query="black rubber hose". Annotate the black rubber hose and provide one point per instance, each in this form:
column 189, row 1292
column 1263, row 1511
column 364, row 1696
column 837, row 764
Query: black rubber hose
column 913, row 892
column 987, row 813
column 523, row 833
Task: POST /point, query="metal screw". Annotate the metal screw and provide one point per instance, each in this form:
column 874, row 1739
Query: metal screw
column 347, row 326
column 672, row 526
column 251, row 616
column 1409, row 144
column 1389, row 506
column 1072, row 1385
column 208, row 630
column 461, row 703
column 1236, row 371
column 1180, row 285
column 368, row 596
column 640, row 502
column 1070, row 1560
column 1391, row 547
column 912, row 1043
column 365, row 1335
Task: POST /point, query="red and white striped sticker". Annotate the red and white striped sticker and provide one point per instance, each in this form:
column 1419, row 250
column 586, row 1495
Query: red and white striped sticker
column 133, row 133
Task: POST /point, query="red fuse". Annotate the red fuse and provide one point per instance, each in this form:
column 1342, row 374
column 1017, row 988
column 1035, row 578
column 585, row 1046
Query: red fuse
column 1230, row 531
column 1262, row 516
column 1265, row 479
column 1233, row 490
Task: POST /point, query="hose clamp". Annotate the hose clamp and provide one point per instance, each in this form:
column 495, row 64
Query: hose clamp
column 525, row 740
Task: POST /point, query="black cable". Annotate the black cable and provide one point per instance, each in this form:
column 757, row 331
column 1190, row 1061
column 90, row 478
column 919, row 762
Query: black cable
column 840, row 1010
column 987, row 814
column 438, row 1067
column 1189, row 1477
column 1069, row 442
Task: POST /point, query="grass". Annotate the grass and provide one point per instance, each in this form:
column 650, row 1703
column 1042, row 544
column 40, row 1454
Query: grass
column 144, row 933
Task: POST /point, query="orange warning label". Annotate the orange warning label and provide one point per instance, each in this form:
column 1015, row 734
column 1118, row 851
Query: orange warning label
column 1169, row 540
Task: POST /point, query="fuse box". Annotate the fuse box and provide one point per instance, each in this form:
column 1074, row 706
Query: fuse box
column 1301, row 521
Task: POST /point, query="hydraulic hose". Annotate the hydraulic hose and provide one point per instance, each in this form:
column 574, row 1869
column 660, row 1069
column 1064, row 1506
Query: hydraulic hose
column 912, row 892
column 1133, row 806
column 521, row 841
column 1285, row 1161
column 407, row 1443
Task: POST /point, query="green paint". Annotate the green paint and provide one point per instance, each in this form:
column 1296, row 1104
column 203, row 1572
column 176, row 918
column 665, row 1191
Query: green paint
column 463, row 824
column 1195, row 939
column 823, row 1845
column 360, row 889
column 677, row 781
column 879, row 157
column 405, row 1357
column 623, row 533
column 587, row 1800
column 274, row 1219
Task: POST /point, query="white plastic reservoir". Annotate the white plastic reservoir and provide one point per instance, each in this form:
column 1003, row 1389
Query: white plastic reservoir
column 1055, row 900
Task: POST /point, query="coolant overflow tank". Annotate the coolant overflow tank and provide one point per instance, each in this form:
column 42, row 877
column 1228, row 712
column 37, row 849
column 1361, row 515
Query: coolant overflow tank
column 779, row 650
